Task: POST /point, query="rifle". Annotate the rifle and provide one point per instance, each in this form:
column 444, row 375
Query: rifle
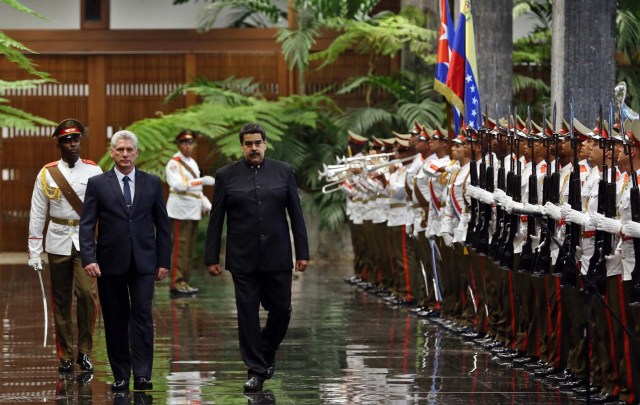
column 526, row 258
column 516, row 194
column 634, row 193
column 486, row 182
column 473, row 173
column 508, row 188
column 493, row 247
column 566, row 258
column 550, row 193
column 597, row 271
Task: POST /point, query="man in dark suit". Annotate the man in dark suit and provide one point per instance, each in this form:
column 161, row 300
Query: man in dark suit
column 256, row 194
column 132, row 251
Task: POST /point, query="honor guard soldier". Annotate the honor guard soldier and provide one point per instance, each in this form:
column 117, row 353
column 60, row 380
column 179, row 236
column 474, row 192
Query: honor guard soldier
column 59, row 193
column 185, row 207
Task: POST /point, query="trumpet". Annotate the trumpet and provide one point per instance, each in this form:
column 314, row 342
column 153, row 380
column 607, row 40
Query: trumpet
column 332, row 170
column 333, row 186
column 389, row 163
column 345, row 160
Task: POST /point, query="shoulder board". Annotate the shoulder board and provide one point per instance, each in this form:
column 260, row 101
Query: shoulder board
column 176, row 158
column 583, row 168
column 543, row 168
column 89, row 162
column 51, row 164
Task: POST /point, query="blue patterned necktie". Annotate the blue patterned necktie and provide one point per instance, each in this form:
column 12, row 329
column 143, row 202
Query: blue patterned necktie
column 126, row 190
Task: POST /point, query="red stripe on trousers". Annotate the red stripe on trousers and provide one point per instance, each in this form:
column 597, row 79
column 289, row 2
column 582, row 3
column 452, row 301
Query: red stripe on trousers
column 174, row 265
column 405, row 262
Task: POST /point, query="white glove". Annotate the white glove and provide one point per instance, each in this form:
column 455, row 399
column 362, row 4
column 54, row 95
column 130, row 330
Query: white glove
column 609, row 225
column 204, row 181
column 533, row 208
column 564, row 209
column 485, row 196
column 408, row 229
column 472, row 191
column 205, row 205
column 595, row 217
column 448, row 238
column 498, row 195
column 453, row 168
column 552, row 211
column 578, row 217
column 36, row 264
column 613, row 261
column 535, row 241
column 513, row 205
column 578, row 253
column 459, row 235
column 631, row 229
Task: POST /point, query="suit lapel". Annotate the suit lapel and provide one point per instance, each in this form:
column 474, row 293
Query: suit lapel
column 117, row 191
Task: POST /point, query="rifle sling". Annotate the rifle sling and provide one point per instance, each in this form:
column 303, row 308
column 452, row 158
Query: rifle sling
column 66, row 189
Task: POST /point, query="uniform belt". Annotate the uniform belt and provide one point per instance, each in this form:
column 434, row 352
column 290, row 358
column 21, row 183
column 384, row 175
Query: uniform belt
column 68, row 222
column 417, row 205
column 588, row 234
column 185, row 193
column 626, row 238
column 562, row 222
column 398, row 205
column 524, row 219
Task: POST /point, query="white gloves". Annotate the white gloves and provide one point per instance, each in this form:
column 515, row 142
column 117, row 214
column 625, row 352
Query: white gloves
column 453, row 168
column 513, row 205
column 36, row 264
column 613, row 261
column 472, row 191
column 448, row 238
column 204, row 180
column 552, row 211
column 609, row 225
column 533, row 208
column 575, row 217
column 485, row 196
column 631, row 229
column 501, row 197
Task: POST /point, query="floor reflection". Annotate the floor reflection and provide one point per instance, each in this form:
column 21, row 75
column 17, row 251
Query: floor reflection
column 343, row 347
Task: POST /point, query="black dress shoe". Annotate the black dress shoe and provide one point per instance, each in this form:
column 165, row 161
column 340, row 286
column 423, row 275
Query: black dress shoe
column 254, row 384
column 561, row 377
column 271, row 369
column 66, row 366
column 571, row 384
column 85, row 362
column 544, row 372
column 120, row 385
column 142, row 384
column 582, row 391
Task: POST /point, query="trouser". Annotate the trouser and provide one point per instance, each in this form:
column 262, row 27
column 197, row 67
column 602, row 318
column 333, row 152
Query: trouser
column 185, row 235
column 272, row 290
column 448, row 279
column 495, row 284
column 479, row 273
column 68, row 279
column 384, row 276
column 426, row 260
column 404, row 262
column 462, row 267
column 576, row 320
column 368, row 257
column 538, row 316
column 128, row 321
column 357, row 242
column 555, row 353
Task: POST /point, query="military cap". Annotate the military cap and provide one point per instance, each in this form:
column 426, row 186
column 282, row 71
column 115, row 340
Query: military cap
column 67, row 128
column 403, row 143
column 357, row 139
column 186, row 136
column 634, row 133
column 401, row 136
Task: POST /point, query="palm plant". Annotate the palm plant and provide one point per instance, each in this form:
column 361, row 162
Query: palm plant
column 14, row 51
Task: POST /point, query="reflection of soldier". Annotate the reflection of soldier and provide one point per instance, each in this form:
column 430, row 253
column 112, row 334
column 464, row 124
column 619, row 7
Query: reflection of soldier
column 59, row 192
column 185, row 207
column 65, row 390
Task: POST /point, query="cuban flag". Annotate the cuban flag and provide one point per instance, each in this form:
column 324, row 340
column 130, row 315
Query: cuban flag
column 462, row 75
column 444, row 48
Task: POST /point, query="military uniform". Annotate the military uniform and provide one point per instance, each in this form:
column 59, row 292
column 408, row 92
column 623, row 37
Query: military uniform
column 62, row 247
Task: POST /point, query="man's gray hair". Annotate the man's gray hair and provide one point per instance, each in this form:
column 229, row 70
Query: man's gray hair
column 124, row 135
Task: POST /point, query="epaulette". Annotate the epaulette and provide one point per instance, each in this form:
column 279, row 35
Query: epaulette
column 89, row 162
column 51, row 164
column 543, row 168
column 583, row 168
column 176, row 158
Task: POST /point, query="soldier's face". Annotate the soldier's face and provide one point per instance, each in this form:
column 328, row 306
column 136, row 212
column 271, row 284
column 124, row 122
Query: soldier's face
column 253, row 148
column 186, row 147
column 70, row 148
column 596, row 154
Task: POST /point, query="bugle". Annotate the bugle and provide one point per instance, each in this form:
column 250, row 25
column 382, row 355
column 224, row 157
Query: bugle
column 345, row 160
column 389, row 163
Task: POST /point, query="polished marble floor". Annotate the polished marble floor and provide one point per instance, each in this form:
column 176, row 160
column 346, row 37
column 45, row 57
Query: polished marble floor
column 343, row 347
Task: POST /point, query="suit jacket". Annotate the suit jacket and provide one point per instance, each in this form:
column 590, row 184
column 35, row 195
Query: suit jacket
column 140, row 233
column 256, row 201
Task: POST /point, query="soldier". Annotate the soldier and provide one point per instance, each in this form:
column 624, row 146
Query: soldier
column 185, row 207
column 58, row 192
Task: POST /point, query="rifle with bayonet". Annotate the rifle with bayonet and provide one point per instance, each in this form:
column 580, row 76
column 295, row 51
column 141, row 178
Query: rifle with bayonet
column 473, row 173
column 500, row 220
column 550, row 193
column 487, row 182
column 516, row 194
column 566, row 258
column 602, row 239
column 508, row 188
column 526, row 258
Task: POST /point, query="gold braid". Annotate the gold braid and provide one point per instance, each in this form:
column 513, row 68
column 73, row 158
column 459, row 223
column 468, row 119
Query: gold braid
column 51, row 193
